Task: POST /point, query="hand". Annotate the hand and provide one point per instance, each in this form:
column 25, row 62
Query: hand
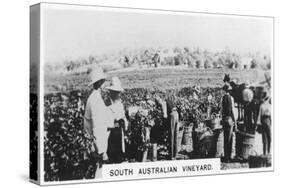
column 104, row 157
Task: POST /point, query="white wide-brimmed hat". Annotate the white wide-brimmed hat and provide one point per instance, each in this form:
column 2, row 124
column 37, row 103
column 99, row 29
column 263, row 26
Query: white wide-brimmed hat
column 248, row 95
column 115, row 85
column 96, row 75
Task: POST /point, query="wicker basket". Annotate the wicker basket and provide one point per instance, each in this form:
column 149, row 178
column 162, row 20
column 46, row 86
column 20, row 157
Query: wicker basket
column 259, row 161
column 206, row 147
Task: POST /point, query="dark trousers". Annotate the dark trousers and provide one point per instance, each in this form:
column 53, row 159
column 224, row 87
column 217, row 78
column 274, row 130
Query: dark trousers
column 174, row 133
column 266, row 134
column 228, row 136
column 114, row 150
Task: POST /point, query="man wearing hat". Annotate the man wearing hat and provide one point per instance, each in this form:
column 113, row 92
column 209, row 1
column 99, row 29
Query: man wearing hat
column 116, row 140
column 227, row 114
column 96, row 116
column 264, row 121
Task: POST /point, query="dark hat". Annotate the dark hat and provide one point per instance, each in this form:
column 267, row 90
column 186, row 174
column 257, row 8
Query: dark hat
column 227, row 87
column 265, row 94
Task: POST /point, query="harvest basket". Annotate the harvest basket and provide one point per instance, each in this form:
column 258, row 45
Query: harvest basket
column 206, row 146
column 246, row 142
column 258, row 161
column 187, row 141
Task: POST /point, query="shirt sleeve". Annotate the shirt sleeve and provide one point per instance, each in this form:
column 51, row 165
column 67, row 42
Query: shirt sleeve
column 221, row 109
column 233, row 109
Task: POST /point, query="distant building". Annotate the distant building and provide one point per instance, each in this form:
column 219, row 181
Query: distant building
column 246, row 62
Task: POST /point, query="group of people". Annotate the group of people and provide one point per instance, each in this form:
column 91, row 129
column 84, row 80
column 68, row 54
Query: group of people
column 256, row 117
column 106, row 124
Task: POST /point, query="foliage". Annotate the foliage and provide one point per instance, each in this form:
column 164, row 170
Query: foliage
column 69, row 152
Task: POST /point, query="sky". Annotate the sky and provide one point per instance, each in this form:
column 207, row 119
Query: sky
column 71, row 32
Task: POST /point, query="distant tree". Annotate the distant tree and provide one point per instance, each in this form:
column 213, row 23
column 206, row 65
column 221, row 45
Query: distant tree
column 91, row 59
column 267, row 62
column 89, row 70
column 186, row 49
column 254, row 64
column 238, row 63
column 268, row 66
column 177, row 50
column 179, row 60
column 199, row 63
column 208, row 64
column 192, row 63
column 169, row 61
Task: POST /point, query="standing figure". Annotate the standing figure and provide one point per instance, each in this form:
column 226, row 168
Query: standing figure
column 264, row 122
column 237, row 94
column 172, row 124
column 158, row 130
column 95, row 117
column 174, row 132
column 250, row 111
column 116, row 140
column 156, row 59
column 209, row 104
column 228, row 121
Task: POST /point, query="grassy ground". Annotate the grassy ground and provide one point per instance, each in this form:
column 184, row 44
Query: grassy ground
column 156, row 78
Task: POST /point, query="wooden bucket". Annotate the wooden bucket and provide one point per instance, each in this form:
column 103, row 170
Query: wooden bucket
column 150, row 154
column 214, row 124
column 246, row 144
column 187, row 141
column 206, row 147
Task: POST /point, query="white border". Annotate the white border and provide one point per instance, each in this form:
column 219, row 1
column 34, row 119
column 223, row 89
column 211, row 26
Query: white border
column 139, row 10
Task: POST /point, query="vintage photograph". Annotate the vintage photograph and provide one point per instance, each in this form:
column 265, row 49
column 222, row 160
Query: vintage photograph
column 132, row 85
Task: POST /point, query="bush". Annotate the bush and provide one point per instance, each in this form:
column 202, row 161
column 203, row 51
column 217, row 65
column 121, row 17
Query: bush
column 69, row 152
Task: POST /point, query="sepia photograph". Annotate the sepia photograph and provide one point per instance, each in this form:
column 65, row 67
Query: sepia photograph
column 130, row 86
